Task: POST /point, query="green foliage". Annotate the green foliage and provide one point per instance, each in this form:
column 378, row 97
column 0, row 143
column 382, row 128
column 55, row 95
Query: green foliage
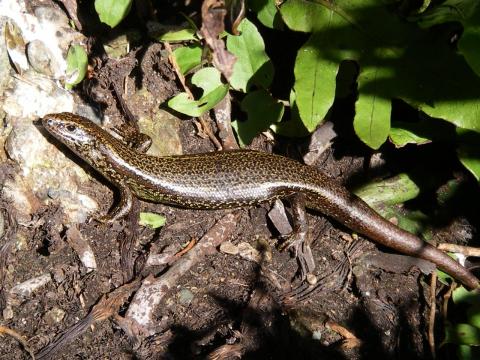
column 421, row 132
column 384, row 195
column 395, row 190
column 396, row 61
column 444, row 278
column 400, row 61
column 262, row 111
column 466, row 352
column 77, row 63
column 465, row 334
column 447, row 11
column 214, row 91
column 178, row 36
column 462, row 296
column 400, row 136
column 314, row 83
column 267, row 13
column 462, row 334
column 467, row 12
column 468, row 150
column 473, row 315
column 253, row 67
column 188, row 57
column 152, row 220
column 111, row 12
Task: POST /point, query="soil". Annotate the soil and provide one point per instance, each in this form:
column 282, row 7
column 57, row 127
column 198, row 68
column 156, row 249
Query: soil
column 224, row 305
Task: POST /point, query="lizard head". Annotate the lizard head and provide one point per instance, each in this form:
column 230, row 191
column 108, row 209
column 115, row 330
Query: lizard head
column 70, row 129
column 77, row 132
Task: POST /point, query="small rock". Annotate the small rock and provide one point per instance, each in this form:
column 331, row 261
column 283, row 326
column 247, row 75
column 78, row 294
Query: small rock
column 319, row 141
column 44, row 170
column 248, row 252
column 26, row 288
column 40, row 58
column 53, row 15
column 228, row 248
column 7, row 313
column 279, row 218
column 58, row 275
column 81, row 246
column 311, row 279
column 185, row 297
column 54, row 316
column 21, row 198
column 163, row 128
column 21, row 241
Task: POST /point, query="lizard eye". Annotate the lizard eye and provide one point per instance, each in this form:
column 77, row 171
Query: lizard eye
column 71, row 128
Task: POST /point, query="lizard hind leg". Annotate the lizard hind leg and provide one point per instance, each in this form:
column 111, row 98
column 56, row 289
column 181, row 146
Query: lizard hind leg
column 298, row 239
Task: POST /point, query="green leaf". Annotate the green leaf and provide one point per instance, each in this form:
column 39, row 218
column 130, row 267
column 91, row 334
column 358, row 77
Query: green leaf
column 373, row 110
column 465, row 352
column 447, row 193
column 207, row 79
column 468, row 150
column 473, row 315
column 421, row 132
column 179, row 35
column 414, row 222
column 77, row 63
column 444, row 278
column 467, row 12
column 119, row 46
column 395, row 61
column 253, row 66
column 188, row 57
column 314, row 83
column 461, row 296
column 306, row 16
column 463, row 334
column 468, row 46
column 401, row 137
column 448, row 11
column 294, row 126
column 111, row 12
column 468, row 43
column 214, row 91
column 267, row 13
column 262, row 111
column 392, row 191
column 384, row 195
column 152, row 220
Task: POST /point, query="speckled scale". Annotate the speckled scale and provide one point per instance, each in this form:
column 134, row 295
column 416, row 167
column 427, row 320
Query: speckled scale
column 232, row 179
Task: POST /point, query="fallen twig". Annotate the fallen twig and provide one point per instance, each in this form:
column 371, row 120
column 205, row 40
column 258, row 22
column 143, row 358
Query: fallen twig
column 152, row 291
column 465, row 250
column 350, row 340
column 18, row 337
column 431, row 317
column 108, row 306
column 223, row 111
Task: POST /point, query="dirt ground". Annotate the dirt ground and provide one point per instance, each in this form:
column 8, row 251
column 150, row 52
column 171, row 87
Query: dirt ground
column 224, row 305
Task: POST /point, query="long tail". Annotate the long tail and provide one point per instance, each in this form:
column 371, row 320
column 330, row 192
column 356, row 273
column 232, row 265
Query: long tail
column 359, row 217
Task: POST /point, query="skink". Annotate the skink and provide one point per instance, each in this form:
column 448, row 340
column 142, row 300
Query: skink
column 230, row 179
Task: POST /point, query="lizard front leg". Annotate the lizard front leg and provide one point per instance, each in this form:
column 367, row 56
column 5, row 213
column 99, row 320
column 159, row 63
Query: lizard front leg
column 122, row 209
